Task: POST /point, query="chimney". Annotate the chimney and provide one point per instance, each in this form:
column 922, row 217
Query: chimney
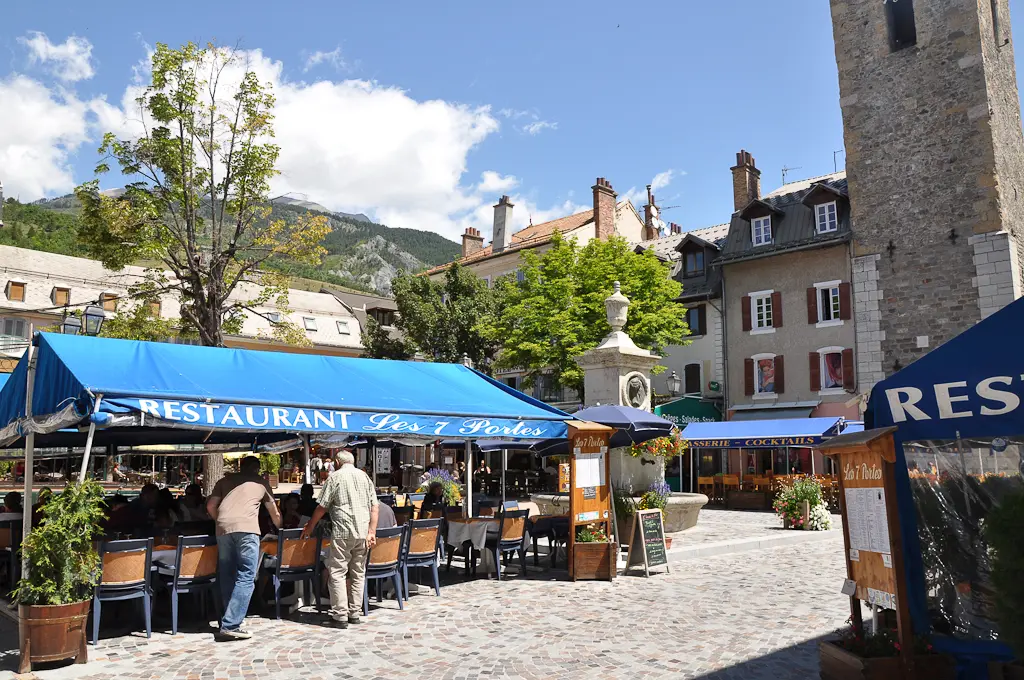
column 674, row 228
column 604, row 208
column 746, row 181
column 472, row 242
column 502, row 234
column 650, row 214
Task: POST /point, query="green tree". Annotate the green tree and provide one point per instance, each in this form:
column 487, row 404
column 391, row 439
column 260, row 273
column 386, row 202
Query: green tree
column 198, row 202
column 557, row 312
column 438, row 320
column 139, row 322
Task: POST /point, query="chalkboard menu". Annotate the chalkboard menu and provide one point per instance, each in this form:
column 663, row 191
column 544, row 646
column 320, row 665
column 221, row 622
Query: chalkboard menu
column 647, row 541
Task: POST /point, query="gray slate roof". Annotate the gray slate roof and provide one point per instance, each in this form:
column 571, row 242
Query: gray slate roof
column 793, row 226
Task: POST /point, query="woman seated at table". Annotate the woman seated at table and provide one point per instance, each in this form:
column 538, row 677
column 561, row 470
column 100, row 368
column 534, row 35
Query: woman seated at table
column 434, row 500
column 290, row 515
column 192, row 505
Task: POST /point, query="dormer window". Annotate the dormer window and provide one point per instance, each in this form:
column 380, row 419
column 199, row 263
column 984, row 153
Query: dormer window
column 761, row 230
column 61, row 297
column 16, row 291
column 693, row 263
column 827, row 217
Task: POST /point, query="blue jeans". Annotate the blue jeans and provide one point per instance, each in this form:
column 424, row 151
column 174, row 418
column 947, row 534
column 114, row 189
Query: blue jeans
column 238, row 557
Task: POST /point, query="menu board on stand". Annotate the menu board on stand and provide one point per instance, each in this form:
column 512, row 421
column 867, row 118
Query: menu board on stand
column 871, row 530
column 590, row 503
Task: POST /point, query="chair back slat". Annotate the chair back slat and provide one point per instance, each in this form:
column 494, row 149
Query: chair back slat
column 298, row 553
column 423, row 537
column 198, row 562
column 386, row 551
column 435, row 513
column 123, row 568
column 513, row 525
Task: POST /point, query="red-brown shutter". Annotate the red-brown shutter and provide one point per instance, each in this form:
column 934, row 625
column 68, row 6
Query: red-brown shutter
column 702, row 315
column 745, row 309
column 849, row 378
column 814, row 364
column 812, row 305
column 748, row 377
column 777, row 310
column 845, row 303
column 780, row 375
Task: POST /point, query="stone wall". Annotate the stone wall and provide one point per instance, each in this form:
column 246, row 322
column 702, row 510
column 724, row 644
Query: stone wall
column 934, row 158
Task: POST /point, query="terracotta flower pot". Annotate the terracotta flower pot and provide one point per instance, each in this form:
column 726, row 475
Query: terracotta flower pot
column 53, row 633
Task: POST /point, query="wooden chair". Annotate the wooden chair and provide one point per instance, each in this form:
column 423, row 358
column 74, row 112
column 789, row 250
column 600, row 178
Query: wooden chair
column 415, row 500
column 383, row 562
column 422, row 543
column 194, row 571
column 729, row 482
column 125, row 575
column 706, row 485
column 298, row 560
column 762, row 483
column 511, row 538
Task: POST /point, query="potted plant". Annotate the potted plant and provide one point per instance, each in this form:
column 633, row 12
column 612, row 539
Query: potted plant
column 800, row 505
column 1002, row 531
column 452, row 494
column 55, row 593
column 876, row 656
column 270, row 466
column 656, row 498
column 593, row 554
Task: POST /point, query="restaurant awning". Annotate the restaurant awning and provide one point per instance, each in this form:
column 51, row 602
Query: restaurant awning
column 761, row 434
column 214, row 389
column 686, row 410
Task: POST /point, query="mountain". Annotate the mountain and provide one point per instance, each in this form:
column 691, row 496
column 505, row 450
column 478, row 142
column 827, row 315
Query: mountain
column 361, row 254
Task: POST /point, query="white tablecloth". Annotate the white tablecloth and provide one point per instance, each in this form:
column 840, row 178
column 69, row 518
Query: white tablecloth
column 474, row 532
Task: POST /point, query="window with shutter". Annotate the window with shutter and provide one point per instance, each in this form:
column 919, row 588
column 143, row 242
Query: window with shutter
column 691, row 379
column 748, row 377
column 745, row 312
column 780, row 374
column 832, row 369
column 764, row 312
column 764, row 375
column 812, row 305
column 849, row 378
column 828, row 302
column 814, row 366
column 777, row 310
column 845, row 302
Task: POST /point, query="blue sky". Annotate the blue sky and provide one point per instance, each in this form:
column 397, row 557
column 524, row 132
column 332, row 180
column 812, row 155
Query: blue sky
column 422, row 114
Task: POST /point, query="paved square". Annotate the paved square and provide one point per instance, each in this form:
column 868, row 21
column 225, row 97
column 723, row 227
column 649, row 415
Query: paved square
column 751, row 615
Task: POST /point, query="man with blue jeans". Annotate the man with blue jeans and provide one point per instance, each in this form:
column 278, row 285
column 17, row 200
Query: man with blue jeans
column 235, row 505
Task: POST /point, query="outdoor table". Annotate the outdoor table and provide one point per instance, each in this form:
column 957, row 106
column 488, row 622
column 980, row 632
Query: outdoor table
column 474, row 531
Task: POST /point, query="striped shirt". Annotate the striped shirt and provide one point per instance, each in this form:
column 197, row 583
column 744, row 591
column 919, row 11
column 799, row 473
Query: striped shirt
column 347, row 496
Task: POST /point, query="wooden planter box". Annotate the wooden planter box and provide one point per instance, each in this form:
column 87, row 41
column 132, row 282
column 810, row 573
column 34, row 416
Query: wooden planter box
column 839, row 664
column 274, row 479
column 748, row 500
column 594, row 561
column 1005, row 671
column 52, row 633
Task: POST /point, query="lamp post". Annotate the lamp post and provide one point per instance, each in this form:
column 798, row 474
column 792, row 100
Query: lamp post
column 70, row 325
column 94, row 317
column 674, row 384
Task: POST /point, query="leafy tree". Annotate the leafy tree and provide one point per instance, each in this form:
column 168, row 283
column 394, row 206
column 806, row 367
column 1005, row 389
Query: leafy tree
column 438, row 320
column 139, row 322
column 557, row 312
column 198, row 202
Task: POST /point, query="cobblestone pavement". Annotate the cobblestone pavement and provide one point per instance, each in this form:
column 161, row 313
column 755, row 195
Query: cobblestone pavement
column 716, row 526
column 751, row 616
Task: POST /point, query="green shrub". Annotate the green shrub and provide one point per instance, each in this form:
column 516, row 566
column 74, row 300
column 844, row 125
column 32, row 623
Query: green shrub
column 1003, row 532
column 63, row 565
column 270, row 463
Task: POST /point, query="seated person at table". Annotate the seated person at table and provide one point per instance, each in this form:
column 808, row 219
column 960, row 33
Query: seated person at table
column 12, row 502
column 386, row 517
column 307, row 504
column 166, row 514
column 192, row 505
column 37, row 510
column 434, row 500
column 291, row 517
column 116, row 474
column 143, row 509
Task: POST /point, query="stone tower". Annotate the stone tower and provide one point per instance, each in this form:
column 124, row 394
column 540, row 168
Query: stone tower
column 935, row 165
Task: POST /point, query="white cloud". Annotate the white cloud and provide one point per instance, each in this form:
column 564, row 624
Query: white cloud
column 662, row 179
column 70, row 61
column 492, row 182
column 334, row 58
column 538, row 126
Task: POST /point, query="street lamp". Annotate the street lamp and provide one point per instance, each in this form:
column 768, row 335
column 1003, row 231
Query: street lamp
column 71, row 325
column 94, row 317
column 674, row 384
column 466, row 361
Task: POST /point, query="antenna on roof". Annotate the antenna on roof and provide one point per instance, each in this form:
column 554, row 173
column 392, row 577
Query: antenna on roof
column 786, row 169
column 531, row 219
column 835, row 164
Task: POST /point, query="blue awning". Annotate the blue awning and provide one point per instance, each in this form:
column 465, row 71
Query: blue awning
column 761, row 434
column 163, row 385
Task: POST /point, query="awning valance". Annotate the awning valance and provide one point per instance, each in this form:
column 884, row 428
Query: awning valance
column 761, row 434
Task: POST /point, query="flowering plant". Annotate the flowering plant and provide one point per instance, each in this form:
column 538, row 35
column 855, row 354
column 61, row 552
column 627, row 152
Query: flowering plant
column 591, row 533
column 655, row 498
column 789, row 502
column 882, row 643
column 819, row 519
column 452, row 494
column 666, row 447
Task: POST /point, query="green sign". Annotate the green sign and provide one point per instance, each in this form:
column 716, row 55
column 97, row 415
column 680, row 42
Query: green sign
column 714, row 386
column 689, row 410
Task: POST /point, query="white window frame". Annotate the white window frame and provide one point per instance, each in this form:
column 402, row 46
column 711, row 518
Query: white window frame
column 824, row 391
column 343, row 327
column 821, row 216
column 764, row 225
column 835, row 320
column 755, row 328
column 309, row 323
column 757, row 393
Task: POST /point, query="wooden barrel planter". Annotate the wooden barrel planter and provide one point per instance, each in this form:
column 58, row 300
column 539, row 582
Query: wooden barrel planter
column 839, row 664
column 53, row 633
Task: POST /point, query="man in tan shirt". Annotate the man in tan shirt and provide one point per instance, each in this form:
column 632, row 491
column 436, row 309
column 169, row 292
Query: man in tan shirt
column 351, row 499
column 235, row 504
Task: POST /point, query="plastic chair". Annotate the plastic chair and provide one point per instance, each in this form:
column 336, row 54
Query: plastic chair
column 511, row 538
column 194, row 571
column 382, row 562
column 125, row 575
column 510, row 505
column 421, row 546
column 298, row 560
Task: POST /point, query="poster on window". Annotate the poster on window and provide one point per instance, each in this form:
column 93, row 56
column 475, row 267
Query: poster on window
column 832, row 375
column 766, row 375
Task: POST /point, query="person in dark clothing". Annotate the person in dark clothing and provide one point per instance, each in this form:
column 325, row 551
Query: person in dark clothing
column 12, row 502
column 307, row 504
column 434, row 500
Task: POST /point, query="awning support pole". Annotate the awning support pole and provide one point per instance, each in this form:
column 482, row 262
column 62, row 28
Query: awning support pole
column 305, row 458
column 30, row 451
column 88, row 441
column 680, row 472
column 504, row 464
column 693, row 455
column 469, row 478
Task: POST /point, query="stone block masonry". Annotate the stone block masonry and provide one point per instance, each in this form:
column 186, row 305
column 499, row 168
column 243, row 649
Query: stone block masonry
column 996, row 260
column 868, row 320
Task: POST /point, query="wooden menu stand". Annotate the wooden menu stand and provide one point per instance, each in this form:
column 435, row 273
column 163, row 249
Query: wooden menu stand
column 871, row 529
column 590, row 501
